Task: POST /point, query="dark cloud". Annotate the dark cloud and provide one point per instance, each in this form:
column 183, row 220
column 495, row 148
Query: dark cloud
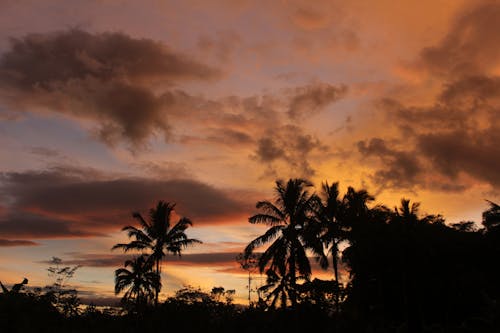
column 78, row 203
column 289, row 145
column 16, row 242
column 165, row 170
column 473, row 91
column 18, row 223
column 472, row 46
column 402, row 168
column 456, row 136
column 268, row 150
column 452, row 142
column 267, row 124
column 226, row 137
column 110, row 78
column 476, row 153
column 309, row 100
column 190, row 259
column 205, row 259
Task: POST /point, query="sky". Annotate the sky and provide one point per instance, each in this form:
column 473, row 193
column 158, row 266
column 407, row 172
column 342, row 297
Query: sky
column 108, row 106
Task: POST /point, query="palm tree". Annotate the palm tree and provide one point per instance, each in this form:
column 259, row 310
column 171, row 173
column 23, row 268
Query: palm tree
column 406, row 212
column 140, row 282
column 413, row 251
column 491, row 217
column 158, row 236
column 328, row 210
column 278, row 289
column 287, row 218
column 355, row 205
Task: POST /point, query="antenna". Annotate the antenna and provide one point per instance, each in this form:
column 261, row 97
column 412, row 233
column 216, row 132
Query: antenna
column 249, row 263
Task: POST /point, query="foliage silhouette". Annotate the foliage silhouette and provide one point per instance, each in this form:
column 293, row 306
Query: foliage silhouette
column 330, row 230
column 288, row 219
column 408, row 272
column 15, row 288
column 63, row 298
column 140, row 282
column 158, row 236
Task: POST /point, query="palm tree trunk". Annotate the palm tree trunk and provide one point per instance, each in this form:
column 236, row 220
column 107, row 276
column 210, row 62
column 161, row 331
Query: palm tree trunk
column 293, row 284
column 336, row 272
column 249, row 288
column 157, row 289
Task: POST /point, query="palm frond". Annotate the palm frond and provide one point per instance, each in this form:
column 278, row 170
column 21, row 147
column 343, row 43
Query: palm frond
column 270, row 234
column 270, row 209
column 265, row 219
column 145, row 225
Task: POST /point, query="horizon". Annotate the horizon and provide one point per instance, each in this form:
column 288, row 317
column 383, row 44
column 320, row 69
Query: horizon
column 108, row 107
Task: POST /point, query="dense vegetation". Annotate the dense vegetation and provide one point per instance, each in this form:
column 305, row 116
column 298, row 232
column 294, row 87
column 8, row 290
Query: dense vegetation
column 406, row 272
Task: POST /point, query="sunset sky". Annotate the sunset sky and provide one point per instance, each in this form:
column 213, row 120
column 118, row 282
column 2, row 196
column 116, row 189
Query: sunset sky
column 108, row 106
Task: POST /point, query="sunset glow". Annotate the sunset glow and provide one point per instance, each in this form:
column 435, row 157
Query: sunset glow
column 107, row 107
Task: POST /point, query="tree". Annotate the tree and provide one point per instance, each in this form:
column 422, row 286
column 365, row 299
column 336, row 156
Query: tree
column 287, row 218
column 16, row 288
column 328, row 210
column 64, row 299
column 279, row 289
column 407, row 213
column 158, row 236
column 491, row 217
column 140, row 282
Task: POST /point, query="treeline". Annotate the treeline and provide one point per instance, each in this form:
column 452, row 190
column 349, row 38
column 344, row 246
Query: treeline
column 392, row 270
column 406, row 271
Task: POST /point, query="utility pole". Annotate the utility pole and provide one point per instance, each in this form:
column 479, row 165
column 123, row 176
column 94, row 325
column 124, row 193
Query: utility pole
column 249, row 264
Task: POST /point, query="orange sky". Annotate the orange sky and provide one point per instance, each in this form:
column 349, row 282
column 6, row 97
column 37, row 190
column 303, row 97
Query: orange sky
column 108, row 106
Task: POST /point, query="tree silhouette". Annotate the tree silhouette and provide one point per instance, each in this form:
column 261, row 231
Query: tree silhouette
column 158, row 236
column 16, row 288
column 140, row 282
column 491, row 217
column 287, row 218
column 64, row 299
column 328, row 211
column 279, row 289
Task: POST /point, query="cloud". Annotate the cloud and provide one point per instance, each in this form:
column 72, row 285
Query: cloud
column 109, row 78
column 472, row 46
column 16, row 242
column 20, row 223
column 451, row 142
column 402, row 169
column 268, row 125
column 311, row 99
column 291, row 146
column 191, row 259
column 476, row 153
column 72, row 202
column 448, row 145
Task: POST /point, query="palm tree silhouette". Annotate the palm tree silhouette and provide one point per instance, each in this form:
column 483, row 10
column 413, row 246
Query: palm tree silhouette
column 491, row 217
column 413, row 251
column 328, row 210
column 279, row 288
column 287, row 218
column 140, row 282
column 158, row 236
column 407, row 213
